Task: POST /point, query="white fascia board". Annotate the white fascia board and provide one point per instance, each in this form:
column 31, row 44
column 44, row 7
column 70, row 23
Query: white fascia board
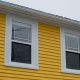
column 39, row 15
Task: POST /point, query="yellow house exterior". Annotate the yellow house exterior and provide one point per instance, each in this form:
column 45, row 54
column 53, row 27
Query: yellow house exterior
column 49, row 54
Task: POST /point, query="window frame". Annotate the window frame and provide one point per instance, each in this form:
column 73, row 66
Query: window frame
column 64, row 30
column 8, row 42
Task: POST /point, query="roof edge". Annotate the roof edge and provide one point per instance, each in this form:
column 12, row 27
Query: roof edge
column 37, row 13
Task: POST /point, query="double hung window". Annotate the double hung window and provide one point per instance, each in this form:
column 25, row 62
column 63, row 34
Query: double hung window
column 70, row 48
column 21, row 44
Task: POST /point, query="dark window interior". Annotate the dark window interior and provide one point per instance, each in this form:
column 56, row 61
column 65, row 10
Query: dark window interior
column 72, row 60
column 21, row 53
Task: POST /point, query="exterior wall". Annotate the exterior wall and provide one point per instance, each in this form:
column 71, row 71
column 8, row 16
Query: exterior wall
column 49, row 57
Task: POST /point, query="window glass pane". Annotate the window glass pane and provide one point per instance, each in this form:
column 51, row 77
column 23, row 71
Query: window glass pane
column 21, row 32
column 72, row 60
column 71, row 42
column 79, row 43
column 21, row 53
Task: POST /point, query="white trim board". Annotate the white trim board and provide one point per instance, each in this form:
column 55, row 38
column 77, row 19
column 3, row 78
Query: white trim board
column 63, row 56
column 8, row 41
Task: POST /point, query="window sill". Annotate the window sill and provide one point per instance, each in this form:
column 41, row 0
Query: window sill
column 71, row 71
column 22, row 65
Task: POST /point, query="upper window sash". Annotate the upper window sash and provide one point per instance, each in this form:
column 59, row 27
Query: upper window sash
column 72, row 42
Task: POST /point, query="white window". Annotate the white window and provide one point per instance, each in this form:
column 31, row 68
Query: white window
column 70, row 51
column 21, row 43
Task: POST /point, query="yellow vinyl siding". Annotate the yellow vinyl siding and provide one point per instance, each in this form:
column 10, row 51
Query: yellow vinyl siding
column 49, row 57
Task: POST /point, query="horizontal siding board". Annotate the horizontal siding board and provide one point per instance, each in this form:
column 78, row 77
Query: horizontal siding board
column 7, row 78
column 2, row 32
column 53, row 45
column 2, row 42
column 49, row 32
column 47, row 45
column 49, row 54
column 49, row 48
column 50, row 37
column 24, row 73
column 53, row 39
column 43, row 70
column 2, row 36
column 2, row 23
column 2, row 27
column 56, row 52
column 56, row 43
column 48, row 27
column 1, row 50
column 2, row 46
column 25, row 76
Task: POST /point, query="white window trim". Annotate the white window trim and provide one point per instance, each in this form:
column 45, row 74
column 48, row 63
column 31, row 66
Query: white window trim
column 8, row 40
column 63, row 57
